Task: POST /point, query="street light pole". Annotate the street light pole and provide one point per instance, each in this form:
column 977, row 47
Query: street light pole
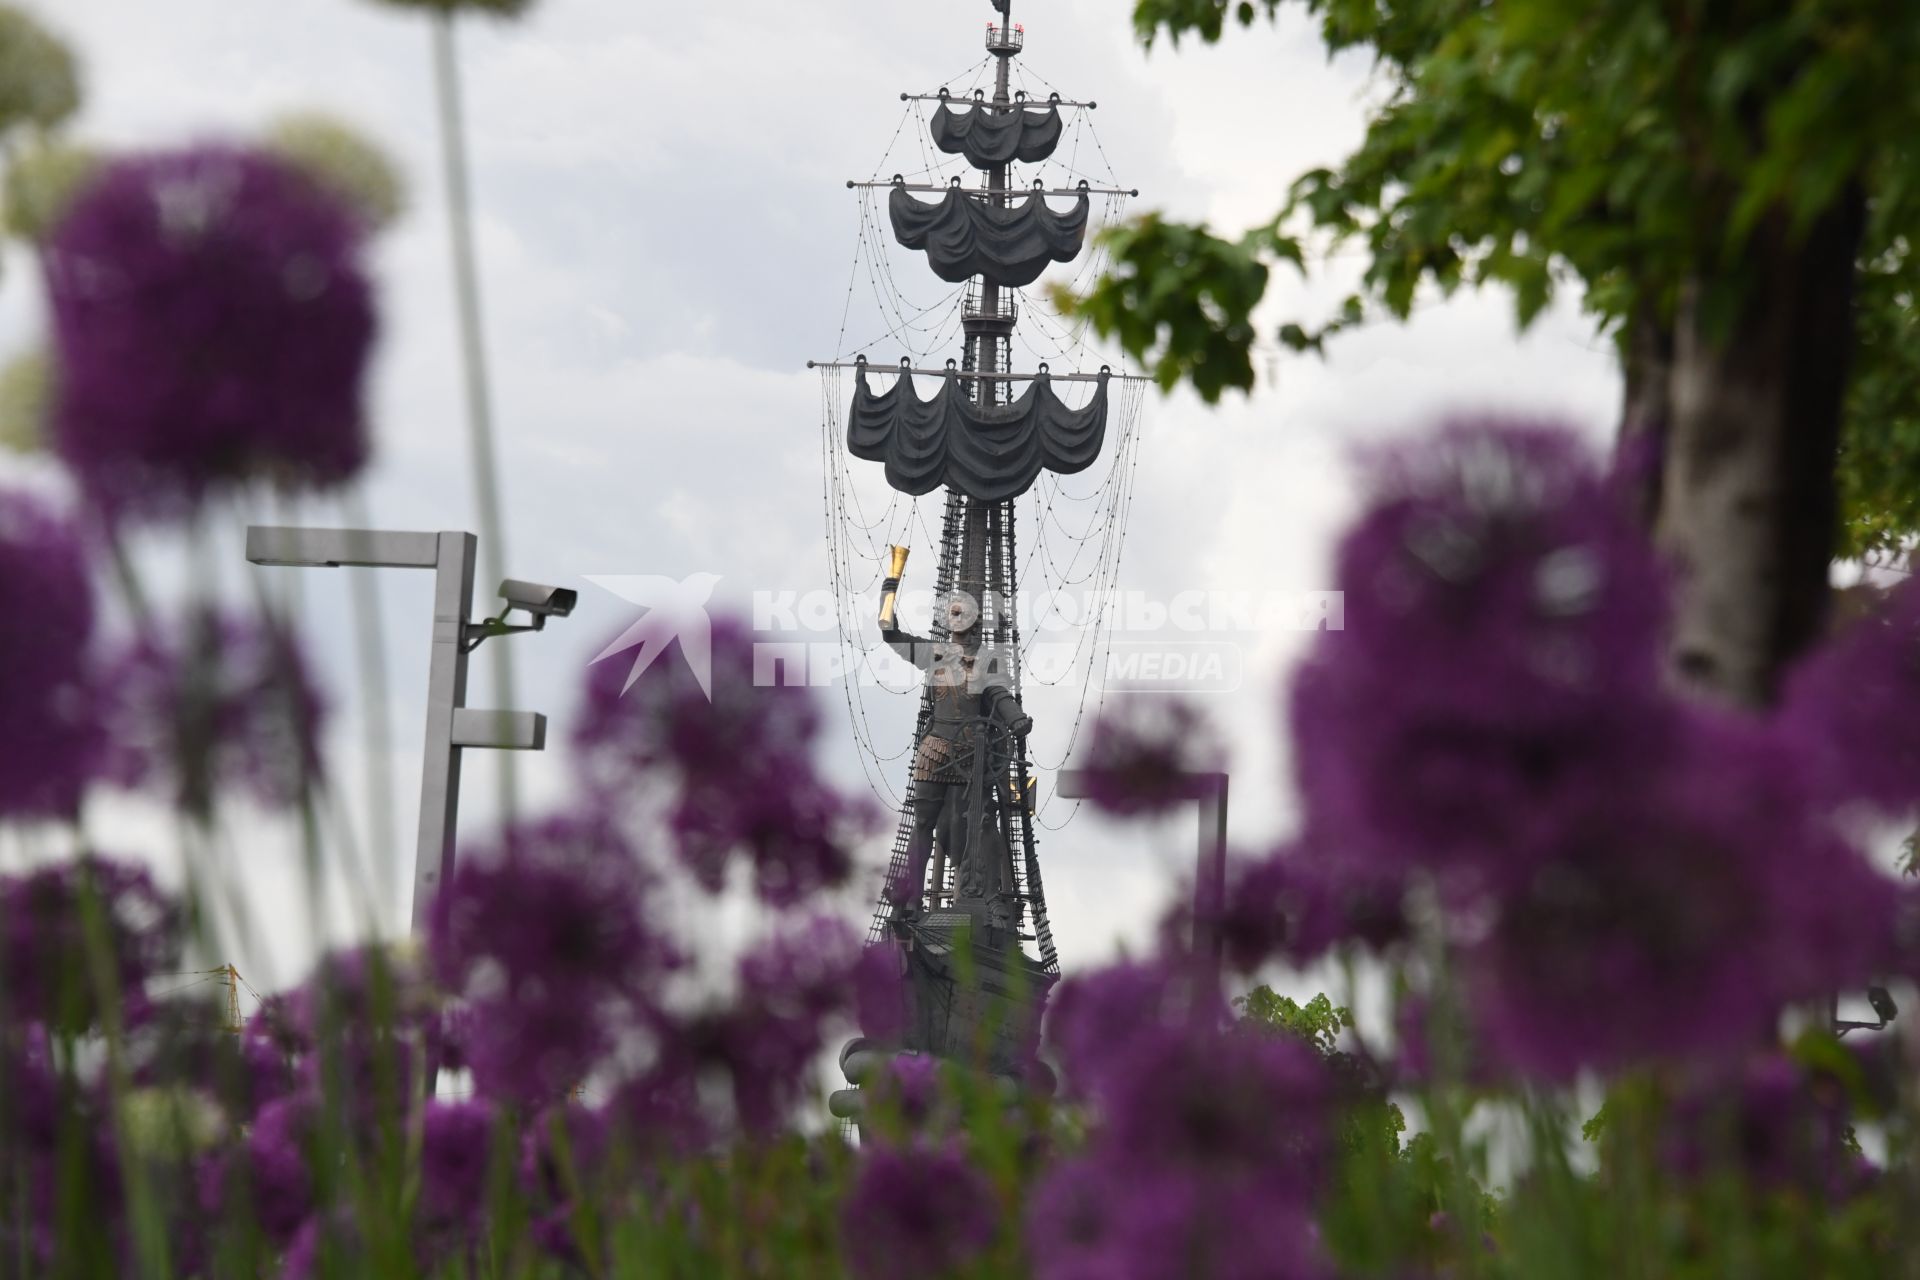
column 451, row 725
column 454, row 555
column 1210, row 870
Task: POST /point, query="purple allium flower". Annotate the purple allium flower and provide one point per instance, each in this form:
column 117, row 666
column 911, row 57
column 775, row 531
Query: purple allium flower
column 278, row 1189
column 332, row 1244
column 221, row 702
column 60, row 1153
column 186, row 1042
column 1853, row 707
column 46, row 964
column 768, row 1040
column 51, row 746
column 563, row 1153
column 916, row 1210
column 1298, row 903
column 1499, row 663
column 302, row 1258
column 1142, row 748
column 375, row 989
column 1095, row 1218
column 660, row 1113
column 357, row 1024
column 547, row 938
column 1769, row 1119
column 1241, row 1110
column 1093, row 1015
column 797, row 832
column 738, row 766
column 1716, row 883
column 277, row 1024
column 910, row 1084
column 212, row 322
column 880, row 992
column 456, row 1141
column 1209, row 1143
column 661, row 720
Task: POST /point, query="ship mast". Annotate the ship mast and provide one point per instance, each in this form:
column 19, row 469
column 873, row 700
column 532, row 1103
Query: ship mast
column 983, row 448
column 986, row 328
column 988, row 325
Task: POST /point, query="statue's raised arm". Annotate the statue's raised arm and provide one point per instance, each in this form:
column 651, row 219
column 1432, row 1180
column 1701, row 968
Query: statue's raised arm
column 915, row 649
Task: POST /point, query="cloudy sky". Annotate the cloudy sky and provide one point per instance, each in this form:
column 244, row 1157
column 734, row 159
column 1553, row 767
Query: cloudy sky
column 665, row 240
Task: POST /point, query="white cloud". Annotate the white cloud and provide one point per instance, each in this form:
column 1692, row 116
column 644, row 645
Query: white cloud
column 666, row 239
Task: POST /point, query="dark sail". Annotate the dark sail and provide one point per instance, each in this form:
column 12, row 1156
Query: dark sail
column 989, row 452
column 964, row 236
column 988, row 138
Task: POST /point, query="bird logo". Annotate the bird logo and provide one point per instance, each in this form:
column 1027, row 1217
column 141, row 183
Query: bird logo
column 674, row 610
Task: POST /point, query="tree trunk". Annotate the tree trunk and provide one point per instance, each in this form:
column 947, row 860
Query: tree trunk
column 1747, row 506
column 1646, row 409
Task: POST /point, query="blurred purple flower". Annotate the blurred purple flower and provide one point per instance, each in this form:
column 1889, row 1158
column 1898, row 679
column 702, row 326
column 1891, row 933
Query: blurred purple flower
column 456, row 1142
column 911, row 1085
column 221, row 702
column 52, row 743
column 1093, row 1015
column 547, row 938
column 665, row 721
column 1094, row 1218
column 357, row 1026
column 1244, row 1111
column 1853, row 707
column 212, row 323
column 47, row 968
column 916, row 1210
column 1769, row 1119
column 562, row 1153
column 35, row 1110
column 186, row 1043
column 880, row 992
column 302, row 1258
column 1209, row 1144
column 1499, row 663
column 1716, row 883
column 1141, row 750
column 370, row 989
column 797, row 832
column 278, row 1189
column 738, row 767
column 1298, row 903
column 660, row 1113
column 768, row 1039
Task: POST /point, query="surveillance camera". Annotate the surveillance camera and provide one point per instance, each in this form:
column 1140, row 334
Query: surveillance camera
column 537, row 599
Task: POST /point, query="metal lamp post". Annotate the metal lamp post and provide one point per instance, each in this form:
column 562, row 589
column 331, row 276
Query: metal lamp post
column 452, row 726
column 1210, row 872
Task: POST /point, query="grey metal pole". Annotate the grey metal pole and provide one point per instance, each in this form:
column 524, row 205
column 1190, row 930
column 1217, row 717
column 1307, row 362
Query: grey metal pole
column 1211, row 870
column 452, row 726
column 1210, row 864
column 446, row 694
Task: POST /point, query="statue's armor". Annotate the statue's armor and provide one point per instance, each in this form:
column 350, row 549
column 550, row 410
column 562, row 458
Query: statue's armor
column 964, row 689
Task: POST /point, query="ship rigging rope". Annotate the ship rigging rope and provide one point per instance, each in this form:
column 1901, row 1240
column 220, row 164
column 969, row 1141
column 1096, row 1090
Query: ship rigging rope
column 834, row 499
column 1076, row 539
column 1111, row 519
